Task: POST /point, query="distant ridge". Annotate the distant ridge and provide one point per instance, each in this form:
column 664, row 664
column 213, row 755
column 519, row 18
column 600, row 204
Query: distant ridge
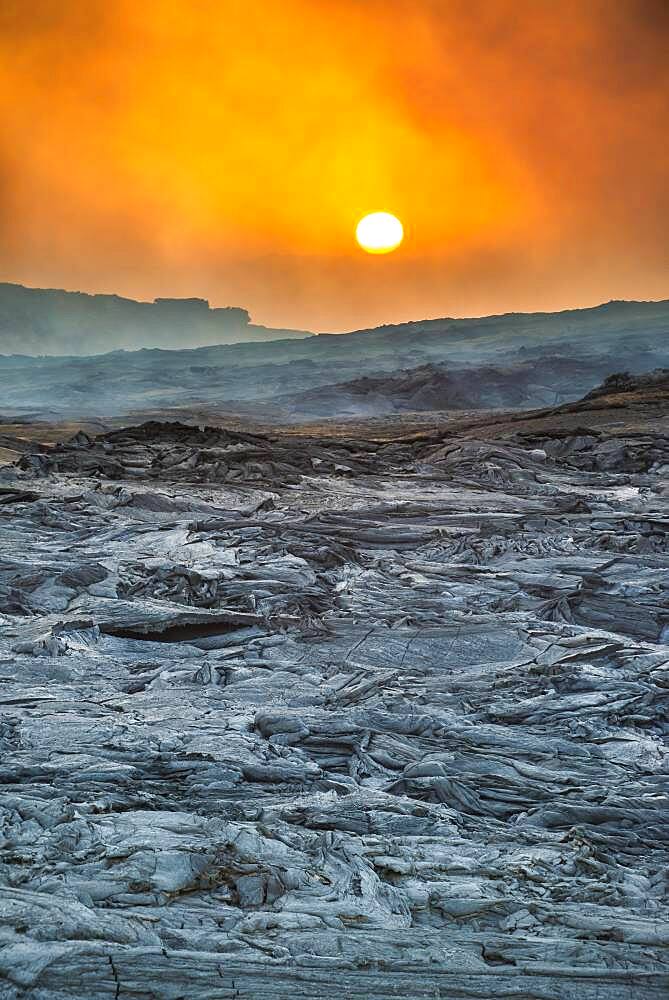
column 51, row 321
column 615, row 306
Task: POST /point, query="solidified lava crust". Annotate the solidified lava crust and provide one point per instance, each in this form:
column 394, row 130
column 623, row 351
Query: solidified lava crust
column 297, row 717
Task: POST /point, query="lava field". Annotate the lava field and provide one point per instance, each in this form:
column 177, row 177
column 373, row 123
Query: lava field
column 301, row 716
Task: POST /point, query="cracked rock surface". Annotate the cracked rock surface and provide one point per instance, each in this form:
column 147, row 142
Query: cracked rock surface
column 295, row 718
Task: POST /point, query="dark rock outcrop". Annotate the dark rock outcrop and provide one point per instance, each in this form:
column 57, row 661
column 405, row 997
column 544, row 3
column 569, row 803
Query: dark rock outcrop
column 443, row 387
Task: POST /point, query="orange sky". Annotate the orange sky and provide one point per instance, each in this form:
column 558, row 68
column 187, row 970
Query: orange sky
column 227, row 148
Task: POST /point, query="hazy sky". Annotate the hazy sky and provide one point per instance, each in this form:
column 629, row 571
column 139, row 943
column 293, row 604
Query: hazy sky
column 227, row 148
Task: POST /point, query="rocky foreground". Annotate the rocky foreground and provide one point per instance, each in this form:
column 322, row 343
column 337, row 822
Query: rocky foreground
column 298, row 717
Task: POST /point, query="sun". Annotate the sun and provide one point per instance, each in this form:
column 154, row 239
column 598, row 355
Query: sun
column 379, row 232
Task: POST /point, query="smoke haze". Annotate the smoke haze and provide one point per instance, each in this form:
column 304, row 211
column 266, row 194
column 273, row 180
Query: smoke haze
column 226, row 150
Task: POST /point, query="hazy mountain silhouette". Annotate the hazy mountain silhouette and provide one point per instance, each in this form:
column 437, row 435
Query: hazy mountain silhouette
column 53, row 321
column 514, row 360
